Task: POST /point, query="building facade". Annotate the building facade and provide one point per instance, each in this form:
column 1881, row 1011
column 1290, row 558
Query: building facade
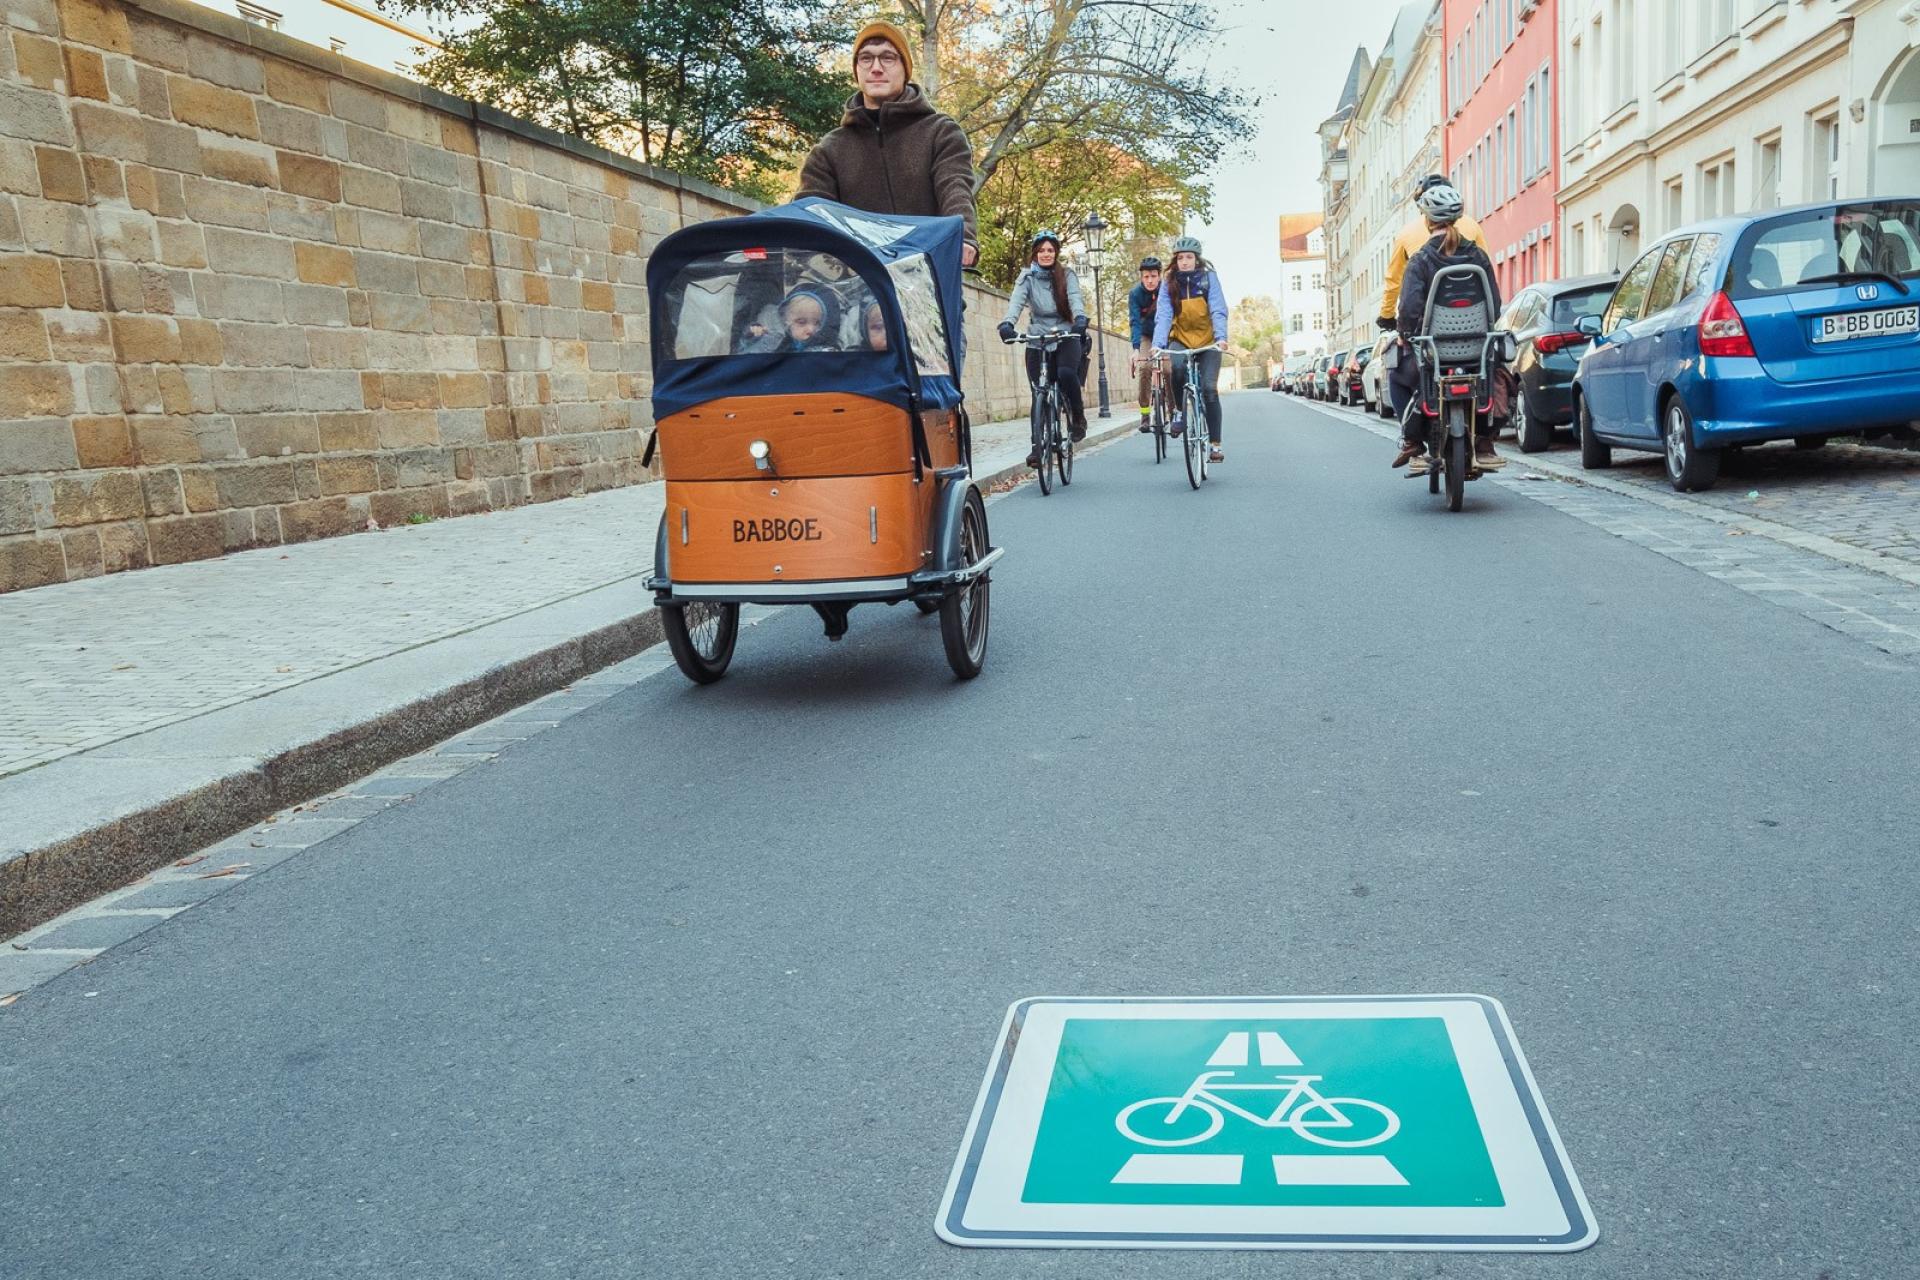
column 357, row 31
column 1502, row 87
column 1689, row 109
column 1392, row 137
column 1303, row 283
column 1336, row 188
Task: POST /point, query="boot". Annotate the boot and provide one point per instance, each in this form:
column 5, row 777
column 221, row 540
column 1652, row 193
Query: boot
column 1485, row 456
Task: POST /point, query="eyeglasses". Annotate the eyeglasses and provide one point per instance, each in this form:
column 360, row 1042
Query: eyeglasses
column 884, row 58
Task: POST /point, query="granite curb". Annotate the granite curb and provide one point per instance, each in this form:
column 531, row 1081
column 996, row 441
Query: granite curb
column 87, row 824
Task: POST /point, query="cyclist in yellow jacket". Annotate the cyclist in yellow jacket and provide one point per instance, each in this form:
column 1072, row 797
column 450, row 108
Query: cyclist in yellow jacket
column 1412, row 239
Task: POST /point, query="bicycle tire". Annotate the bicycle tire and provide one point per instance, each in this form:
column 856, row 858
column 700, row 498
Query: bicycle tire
column 1459, row 457
column 1045, row 436
column 1063, row 444
column 702, row 646
column 1195, row 437
column 1214, row 1121
column 1333, row 1105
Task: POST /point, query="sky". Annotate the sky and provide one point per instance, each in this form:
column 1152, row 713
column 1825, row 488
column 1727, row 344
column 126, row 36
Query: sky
column 1295, row 54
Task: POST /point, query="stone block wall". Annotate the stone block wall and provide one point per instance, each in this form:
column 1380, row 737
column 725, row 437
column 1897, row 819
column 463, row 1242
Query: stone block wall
column 254, row 293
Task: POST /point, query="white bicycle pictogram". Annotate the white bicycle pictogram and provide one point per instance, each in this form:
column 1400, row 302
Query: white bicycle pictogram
column 1303, row 1109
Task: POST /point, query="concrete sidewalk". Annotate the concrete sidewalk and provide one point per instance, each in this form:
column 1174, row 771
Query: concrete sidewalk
column 146, row 715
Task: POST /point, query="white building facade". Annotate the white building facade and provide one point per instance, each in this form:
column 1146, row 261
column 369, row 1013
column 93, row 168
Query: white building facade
column 357, row 31
column 1395, row 140
column 1677, row 110
column 1303, row 284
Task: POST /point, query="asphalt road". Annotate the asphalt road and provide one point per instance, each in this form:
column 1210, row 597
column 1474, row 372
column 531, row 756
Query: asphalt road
column 703, row 981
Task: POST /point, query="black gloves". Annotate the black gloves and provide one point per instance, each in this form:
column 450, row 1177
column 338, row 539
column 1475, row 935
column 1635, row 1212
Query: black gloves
column 1386, row 324
column 1080, row 324
column 1006, row 331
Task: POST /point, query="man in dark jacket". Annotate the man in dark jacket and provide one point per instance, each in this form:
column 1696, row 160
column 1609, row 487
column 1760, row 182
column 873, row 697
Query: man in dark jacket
column 893, row 153
column 1143, row 306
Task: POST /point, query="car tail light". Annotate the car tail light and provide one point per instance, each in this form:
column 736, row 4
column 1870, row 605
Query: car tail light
column 1549, row 343
column 1722, row 333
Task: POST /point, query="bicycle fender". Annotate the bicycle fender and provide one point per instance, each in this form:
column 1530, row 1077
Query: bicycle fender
column 949, row 502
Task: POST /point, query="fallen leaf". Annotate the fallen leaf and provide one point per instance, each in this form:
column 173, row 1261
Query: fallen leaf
column 283, row 670
column 8, row 999
column 187, row 862
column 226, row 871
column 125, row 666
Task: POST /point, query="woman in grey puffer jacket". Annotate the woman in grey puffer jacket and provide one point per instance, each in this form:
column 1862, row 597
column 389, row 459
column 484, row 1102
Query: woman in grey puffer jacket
column 1050, row 294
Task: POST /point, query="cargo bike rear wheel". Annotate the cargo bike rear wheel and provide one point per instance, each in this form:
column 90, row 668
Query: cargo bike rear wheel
column 701, row 634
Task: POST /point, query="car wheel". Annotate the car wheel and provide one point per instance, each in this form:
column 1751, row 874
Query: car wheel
column 1594, row 456
column 1529, row 432
column 1689, row 466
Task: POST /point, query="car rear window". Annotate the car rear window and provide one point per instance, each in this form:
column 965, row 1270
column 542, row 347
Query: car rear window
column 1866, row 239
column 1570, row 308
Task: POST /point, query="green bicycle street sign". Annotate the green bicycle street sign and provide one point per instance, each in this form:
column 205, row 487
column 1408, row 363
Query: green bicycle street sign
column 1322, row 1122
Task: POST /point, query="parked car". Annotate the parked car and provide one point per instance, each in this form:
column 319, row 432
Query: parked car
column 1278, row 382
column 1545, row 322
column 1353, row 378
column 1299, row 374
column 1374, row 381
column 1795, row 324
column 1336, row 373
column 1318, row 379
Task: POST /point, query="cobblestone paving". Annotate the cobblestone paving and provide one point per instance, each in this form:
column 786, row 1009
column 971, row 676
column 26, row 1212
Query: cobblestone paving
column 1882, row 611
column 92, row 662
column 1857, row 494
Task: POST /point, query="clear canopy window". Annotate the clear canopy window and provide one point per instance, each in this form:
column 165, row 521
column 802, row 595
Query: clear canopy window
column 920, row 305
column 770, row 301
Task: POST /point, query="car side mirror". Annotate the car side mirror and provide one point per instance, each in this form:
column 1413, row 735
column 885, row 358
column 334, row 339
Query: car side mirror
column 1589, row 325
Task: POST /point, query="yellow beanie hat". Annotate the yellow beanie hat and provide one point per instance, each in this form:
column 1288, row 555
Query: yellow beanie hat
column 892, row 35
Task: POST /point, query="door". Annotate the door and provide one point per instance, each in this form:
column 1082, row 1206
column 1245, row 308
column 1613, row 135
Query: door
column 1648, row 340
column 1604, row 367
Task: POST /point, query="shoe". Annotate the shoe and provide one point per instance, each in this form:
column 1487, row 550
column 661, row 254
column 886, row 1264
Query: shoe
column 1146, row 426
column 1409, row 450
column 1077, row 432
column 1214, row 455
column 1033, row 459
column 1486, row 457
column 1420, row 465
column 1177, row 427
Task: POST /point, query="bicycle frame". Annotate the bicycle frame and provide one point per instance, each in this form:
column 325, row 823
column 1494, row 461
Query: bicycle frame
column 1204, row 1089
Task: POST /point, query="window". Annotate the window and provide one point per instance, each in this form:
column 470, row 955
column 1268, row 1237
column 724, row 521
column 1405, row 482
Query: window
column 1667, row 280
column 1882, row 236
column 1674, row 36
column 1499, row 167
column 1717, row 188
column 1512, row 161
column 1766, row 191
column 1627, row 299
column 1823, row 168
column 258, row 16
column 1623, row 59
column 1576, row 249
column 1676, row 204
column 790, row 301
column 1545, row 105
column 1700, row 276
column 1576, row 107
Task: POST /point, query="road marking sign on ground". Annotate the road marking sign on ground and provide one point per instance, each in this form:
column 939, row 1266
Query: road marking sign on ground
column 1324, row 1122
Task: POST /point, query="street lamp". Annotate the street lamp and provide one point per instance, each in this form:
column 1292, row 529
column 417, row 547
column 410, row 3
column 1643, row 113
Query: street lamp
column 1096, row 232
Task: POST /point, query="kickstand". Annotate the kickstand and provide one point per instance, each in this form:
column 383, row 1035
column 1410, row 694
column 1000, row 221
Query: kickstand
column 835, row 618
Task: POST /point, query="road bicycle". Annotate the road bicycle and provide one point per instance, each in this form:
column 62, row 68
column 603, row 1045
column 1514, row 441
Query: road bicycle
column 1054, row 445
column 1193, row 410
column 1353, row 1122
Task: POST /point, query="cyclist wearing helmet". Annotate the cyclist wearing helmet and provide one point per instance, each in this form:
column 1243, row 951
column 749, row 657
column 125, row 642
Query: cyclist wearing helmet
column 1142, row 305
column 1412, row 238
column 1050, row 294
column 1449, row 247
column 1192, row 316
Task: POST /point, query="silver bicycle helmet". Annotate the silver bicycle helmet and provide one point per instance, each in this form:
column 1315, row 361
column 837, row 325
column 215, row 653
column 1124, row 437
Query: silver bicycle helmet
column 1186, row 244
column 1442, row 205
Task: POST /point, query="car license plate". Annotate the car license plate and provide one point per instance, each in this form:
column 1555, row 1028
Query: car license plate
column 1846, row 325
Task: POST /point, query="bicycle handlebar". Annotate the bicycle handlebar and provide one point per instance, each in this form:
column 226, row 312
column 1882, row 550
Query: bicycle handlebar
column 1029, row 339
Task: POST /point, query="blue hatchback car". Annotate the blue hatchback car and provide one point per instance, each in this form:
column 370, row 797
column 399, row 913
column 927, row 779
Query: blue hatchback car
column 1794, row 324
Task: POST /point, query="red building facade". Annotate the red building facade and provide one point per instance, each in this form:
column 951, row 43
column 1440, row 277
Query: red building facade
column 1502, row 87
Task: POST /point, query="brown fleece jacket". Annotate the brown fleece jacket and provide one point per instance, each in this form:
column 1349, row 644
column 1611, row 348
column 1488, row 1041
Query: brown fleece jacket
column 903, row 158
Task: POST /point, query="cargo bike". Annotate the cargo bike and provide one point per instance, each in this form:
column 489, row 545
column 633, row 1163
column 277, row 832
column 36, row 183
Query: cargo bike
column 811, row 428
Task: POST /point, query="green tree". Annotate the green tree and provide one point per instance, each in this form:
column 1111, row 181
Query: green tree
column 732, row 91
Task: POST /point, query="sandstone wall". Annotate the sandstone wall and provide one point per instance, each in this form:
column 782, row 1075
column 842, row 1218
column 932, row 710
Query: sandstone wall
column 253, row 293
